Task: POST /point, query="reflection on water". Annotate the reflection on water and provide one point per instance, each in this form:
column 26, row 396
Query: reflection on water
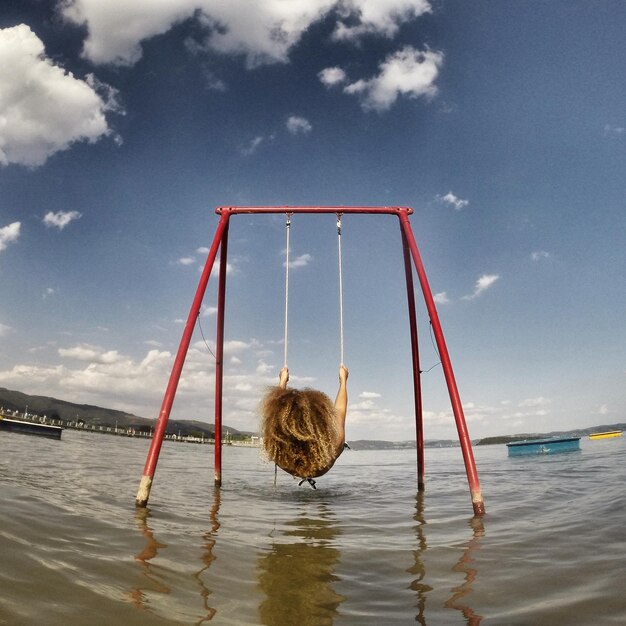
column 210, row 539
column 296, row 575
column 138, row 595
column 418, row 569
column 156, row 575
column 461, row 592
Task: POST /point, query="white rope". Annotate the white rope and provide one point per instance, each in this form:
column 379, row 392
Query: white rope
column 340, row 255
column 288, row 229
column 340, row 286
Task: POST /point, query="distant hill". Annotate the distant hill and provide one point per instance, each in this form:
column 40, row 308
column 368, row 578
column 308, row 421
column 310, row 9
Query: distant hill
column 99, row 416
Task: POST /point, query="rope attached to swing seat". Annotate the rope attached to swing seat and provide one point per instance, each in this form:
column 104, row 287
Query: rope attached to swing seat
column 340, row 256
column 287, row 246
column 340, row 287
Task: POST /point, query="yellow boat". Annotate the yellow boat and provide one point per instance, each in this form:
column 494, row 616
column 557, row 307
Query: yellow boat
column 606, row 435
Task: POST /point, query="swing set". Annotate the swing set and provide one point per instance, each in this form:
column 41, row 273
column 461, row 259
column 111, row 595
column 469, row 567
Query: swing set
column 410, row 252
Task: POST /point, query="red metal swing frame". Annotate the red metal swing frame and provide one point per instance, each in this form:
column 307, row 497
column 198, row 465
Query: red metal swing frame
column 410, row 251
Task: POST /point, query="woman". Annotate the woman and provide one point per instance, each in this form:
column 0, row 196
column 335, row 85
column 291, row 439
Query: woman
column 302, row 431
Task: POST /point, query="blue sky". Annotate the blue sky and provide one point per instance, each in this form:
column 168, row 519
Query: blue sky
column 503, row 124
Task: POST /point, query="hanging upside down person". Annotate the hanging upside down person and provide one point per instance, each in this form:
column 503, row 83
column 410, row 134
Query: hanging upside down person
column 303, row 432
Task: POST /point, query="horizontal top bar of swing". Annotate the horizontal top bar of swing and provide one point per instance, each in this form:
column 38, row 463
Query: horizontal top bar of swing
column 384, row 210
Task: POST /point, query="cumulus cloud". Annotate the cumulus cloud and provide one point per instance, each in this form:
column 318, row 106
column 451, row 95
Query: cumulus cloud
column 441, row 298
column 407, row 72
column 297, row 125
column 368, row 395
column 43, row 108
column 86, row 352
column 186, row 260
column 331, row 76
column 482, row 284
column 376, row 17
column 60, row 219
column 263, row 32
column 454, row 201
column 9, row 234
column 116, row 31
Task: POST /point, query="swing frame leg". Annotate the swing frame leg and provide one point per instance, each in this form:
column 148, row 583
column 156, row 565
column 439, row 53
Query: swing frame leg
column 145, row 486
column 417, row 382
column 466, row 445
column 219, row 357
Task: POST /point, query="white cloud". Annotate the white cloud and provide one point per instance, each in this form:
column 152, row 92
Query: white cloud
column 298, row 125
column 9, row 234
column 4, row 330
column 382, row 17
column 482, row 284
column 252, row 147
column 237, row 347
column 454, row 201
column 332, row 76
column 48, row 292
column 407, row 72
column 614, row 130
column 209, row 311
column 43, row 108
column 86, row 352
column 117, row 27
column 60, row 219
column 264, row 369
column 186, row 260
column 603, row 410
column 203, row 250
column 120, row 383
column 300, row 261
column 441, row 298
column 263, row 32
column 539, row 254
column 368, row 395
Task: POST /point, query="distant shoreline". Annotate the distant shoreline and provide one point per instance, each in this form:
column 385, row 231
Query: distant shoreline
column 123, row 431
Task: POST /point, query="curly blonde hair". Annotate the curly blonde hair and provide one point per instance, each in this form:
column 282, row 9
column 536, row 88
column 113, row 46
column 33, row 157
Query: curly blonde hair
column 299, row 430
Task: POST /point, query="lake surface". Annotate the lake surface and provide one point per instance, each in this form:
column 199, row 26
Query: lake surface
column 364, row 548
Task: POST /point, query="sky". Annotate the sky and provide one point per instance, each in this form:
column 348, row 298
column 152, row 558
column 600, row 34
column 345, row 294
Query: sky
column 502, row 124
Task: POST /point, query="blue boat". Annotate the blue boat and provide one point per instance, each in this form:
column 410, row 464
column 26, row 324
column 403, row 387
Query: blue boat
column 543, row 446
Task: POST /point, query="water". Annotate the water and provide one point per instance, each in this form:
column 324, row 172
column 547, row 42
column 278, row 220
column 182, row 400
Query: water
column 365, row 548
